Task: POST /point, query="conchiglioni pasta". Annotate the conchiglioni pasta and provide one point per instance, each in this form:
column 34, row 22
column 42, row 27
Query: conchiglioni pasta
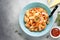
column 36, row 19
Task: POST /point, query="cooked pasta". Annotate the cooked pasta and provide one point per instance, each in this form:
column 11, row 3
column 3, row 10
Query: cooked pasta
column 36, row 19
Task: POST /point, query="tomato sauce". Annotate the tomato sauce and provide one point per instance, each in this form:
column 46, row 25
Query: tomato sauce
column 55, row 32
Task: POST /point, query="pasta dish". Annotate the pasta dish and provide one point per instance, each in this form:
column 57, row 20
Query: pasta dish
column 36, row 19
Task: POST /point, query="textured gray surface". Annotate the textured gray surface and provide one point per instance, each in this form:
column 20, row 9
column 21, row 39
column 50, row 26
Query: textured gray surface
column 9, row 13
column 9, row 20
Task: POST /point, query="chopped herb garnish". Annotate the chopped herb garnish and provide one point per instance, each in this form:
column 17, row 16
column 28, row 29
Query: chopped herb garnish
column 16, row 31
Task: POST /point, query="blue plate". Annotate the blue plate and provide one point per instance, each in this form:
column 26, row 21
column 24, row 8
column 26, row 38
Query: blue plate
column 22, row 24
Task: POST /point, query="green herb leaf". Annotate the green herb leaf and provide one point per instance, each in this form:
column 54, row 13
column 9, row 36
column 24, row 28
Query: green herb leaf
column 16, row 31
column 58, row 19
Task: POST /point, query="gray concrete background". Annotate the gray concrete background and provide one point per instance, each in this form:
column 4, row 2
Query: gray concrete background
column 9, row 13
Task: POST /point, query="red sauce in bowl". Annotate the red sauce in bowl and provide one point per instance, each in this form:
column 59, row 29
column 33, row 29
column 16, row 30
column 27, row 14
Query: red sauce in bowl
column 55, row 32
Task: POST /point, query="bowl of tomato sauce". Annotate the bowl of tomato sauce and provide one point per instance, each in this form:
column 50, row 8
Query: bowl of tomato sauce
column 55, row 32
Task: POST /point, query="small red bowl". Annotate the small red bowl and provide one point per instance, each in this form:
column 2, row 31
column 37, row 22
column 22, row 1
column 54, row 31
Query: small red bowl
column 55, row 29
